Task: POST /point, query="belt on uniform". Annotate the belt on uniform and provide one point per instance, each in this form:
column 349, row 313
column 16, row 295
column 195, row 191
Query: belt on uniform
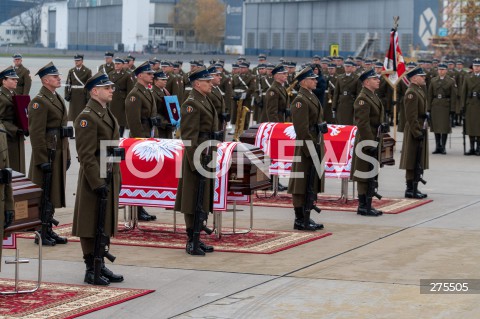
column 62, row 132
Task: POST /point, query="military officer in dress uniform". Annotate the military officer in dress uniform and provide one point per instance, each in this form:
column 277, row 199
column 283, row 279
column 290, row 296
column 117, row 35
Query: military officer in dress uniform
column 95, row 124
column 276, row 99
column 123, row 84
column 306, row 116
column 415, row 108
column 217, row 99
column 225, row 87
column 15, row 136
column 175, row 83
column 369, row 116
column 385, row 93
column 141, row 114
column 24, row 79
column 7, row 207
column 49, row 133
column 243, row 82
column 75, row 87
column 199, row 121
column 441, row 103
column 159, row 92
column 347, row 87
column 401, row 89
column 470, row 101
column 331, row 79
column 108, row 66
column 131, row 62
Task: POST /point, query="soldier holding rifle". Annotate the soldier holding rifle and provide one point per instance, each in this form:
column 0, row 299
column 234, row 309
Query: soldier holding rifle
column 50, row 153
column 307, row 117
column 97, row 197
column 368, row 117
column 199, row 122
column 414, row 157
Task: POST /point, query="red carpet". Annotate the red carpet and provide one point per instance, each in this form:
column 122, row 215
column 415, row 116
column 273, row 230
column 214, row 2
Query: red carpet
column 325, row 202
column 255, row 242
column 55, row 300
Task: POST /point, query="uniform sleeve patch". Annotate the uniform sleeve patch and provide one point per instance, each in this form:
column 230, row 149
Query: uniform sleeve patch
column 361, row 102
column 133, row 99
column 35, row 106
column 189, row 109
column 410, row 96
column 83, row 123
column 298, row 105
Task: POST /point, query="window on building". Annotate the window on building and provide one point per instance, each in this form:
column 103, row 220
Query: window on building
column 169, row 44
column 263, row 40
column 346, row 43
column 318, row 41
column 169, row 32
column 333, row 38
column 8, row 31
column 191, row 33
column 359, row 38
column 304, row 41
column 290, row 41
column 158, row 31
column 180, row 44
column 276, row 40
column 250, row 40
column 179, row 33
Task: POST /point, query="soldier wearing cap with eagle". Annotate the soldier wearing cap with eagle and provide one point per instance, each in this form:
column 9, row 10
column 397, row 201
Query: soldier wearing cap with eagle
column 47, row 116
column 199, row 123
column 75, row 87
column 24, row 78
column 306, row 114
column 96, row 123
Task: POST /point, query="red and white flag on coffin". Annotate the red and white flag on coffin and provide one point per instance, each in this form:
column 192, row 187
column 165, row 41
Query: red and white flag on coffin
column 394, row 64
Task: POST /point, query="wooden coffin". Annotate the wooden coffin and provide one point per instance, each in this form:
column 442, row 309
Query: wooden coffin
column 252, row 178
column 386, row 158
column 27, row 197
column 248, row 136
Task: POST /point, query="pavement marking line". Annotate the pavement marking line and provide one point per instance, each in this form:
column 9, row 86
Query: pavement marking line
column 331, row 257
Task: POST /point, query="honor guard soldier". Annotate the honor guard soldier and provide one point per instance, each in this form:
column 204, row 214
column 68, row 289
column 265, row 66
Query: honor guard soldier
column 461, row 76
column 307, row 118
column 347, row 87
column 338, row 60
column 470, row 101
column 123, row 84
column 186, row 82
column 385, row 93
column 7, row 206
column 216, row 98
column 15, row 136
column 131, row 62
column 24, row 78
column 331, row 79
column 108, row 66
column 225, row 87
column 175, row 83
column 159, row 92
column 441, row 103
column 243, row 82
column 141, row 113
column 369, row 118
column 264, row 82
column 75, row 87
column 276, row 100
column 401, row 89
column 199, row 120
column 49, row 135
column 415, row 138
column 96, row 124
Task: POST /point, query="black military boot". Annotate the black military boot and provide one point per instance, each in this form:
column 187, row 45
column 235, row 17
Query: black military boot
column 144, row 216
column 53, row 235
column 90, row 273
column 477, row 152
column 363, row 207
column 472, row 146
column 46, row 240
column 306, row 222
column 438, row 146
column 444, row 143
column 298, row 224
column 190, row 247
column 107, row 273
column 410, row 193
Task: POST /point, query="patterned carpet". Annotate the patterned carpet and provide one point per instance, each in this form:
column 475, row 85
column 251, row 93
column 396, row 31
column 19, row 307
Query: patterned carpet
column 325, row 202
column 156, row 236
column 60, row 301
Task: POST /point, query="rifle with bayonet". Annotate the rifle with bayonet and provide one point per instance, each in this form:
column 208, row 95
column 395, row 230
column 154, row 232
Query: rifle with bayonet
column 418, row 170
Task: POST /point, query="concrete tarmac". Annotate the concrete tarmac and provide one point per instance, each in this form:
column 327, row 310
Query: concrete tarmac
column 369, row 268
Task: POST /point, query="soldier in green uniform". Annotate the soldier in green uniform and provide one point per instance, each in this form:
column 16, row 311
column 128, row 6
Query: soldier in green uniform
column 175, row 83
column 461, row 75
column 276, row 99
column 264, row 82
column 199, row 121
column 123, row 84
column 141, row 114
column 48, row 129
column 159, row 92
column 15, row 136
column 24, row 79
column 7, row 207
column 95, row 124
column 131, row 62
column 470, row 101
column 415, row 104
column 331, row 79
column 108, row 66
column 401, row 89
column 216, row 97
column 306, row 115
column 75, row 87
column 225, row 87
column 441, row 103
column 347, row 87
column 243, row 82
column 369, row 117
column 385, row 93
